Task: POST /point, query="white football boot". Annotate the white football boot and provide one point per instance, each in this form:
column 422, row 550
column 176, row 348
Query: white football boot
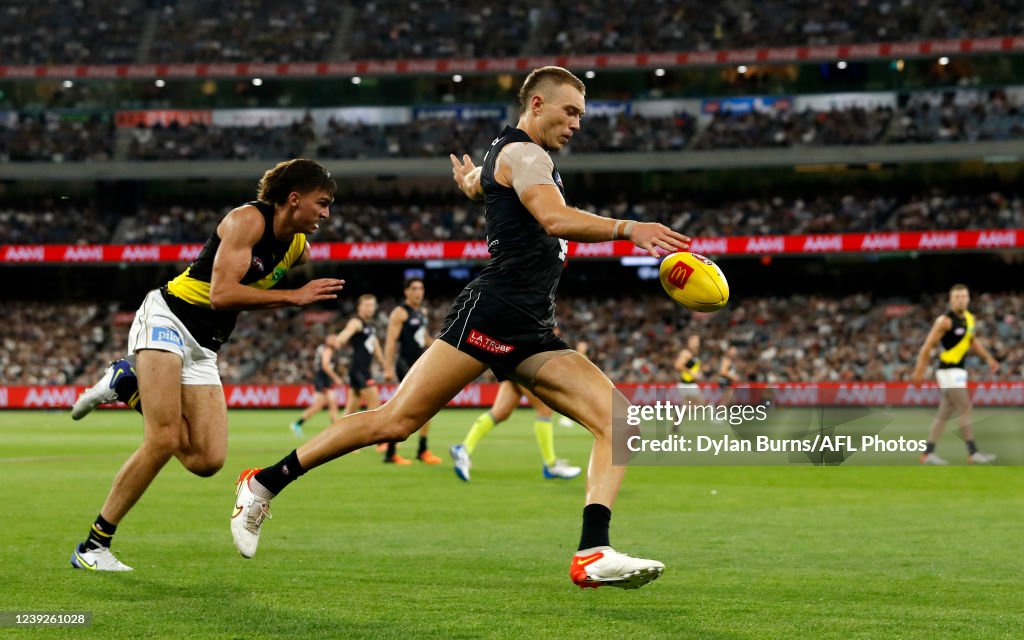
column 981, row 458
column 561, row 470
column 606, row 567
column 101, row 559
column 103, row 392
column 462, row 462
column 248, row 516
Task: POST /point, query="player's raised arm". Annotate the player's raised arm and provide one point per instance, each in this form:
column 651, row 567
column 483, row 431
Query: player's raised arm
column 239, row 232
column 353, row 325
column 941, row 325
column 467, row 177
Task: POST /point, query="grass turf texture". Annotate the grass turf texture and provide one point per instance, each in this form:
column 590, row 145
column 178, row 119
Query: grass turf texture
column 360, row 549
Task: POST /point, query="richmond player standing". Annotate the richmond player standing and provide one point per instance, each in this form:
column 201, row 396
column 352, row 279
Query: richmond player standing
column 954, row 330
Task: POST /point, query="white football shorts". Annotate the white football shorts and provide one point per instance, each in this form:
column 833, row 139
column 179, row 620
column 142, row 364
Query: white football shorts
column 156, row 327
column 951, row 378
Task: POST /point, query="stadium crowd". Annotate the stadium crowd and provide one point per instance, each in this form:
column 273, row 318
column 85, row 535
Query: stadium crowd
column 636, row 339
column 927, row 117
column 445, row 216
column 147, row 31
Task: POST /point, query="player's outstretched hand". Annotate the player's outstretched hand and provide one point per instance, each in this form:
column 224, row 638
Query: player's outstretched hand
column 318, row 290
column 467, row 177
column 653, row 236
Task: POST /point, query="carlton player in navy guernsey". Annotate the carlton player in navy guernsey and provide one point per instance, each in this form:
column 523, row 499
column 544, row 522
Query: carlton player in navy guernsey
column 954, row 331
column 407, row 339
column 504, row 320
column 180, row 327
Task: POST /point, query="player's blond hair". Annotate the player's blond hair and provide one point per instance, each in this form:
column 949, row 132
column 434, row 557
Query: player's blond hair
column 957, row 287
column 552, row 75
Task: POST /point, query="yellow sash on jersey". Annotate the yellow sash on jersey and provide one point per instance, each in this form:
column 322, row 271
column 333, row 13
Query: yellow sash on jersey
column 689, row 374
column 197, row 292
column 956, row 353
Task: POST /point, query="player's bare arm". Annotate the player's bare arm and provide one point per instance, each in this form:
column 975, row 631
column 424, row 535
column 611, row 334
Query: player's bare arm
column 979, row 348
column 354, row 325
column 467, row 177
column 939, row 328
column 327, row 364
column 304, row 258
column 398, row 316
column 239, row 232
column 548, row 206
column 681, row 360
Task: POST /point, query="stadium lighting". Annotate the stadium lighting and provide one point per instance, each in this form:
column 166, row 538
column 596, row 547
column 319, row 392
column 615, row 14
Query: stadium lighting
column 160, row 83
column 590, row 74
column 659, row 72
column 457, row 78
column 356, row 80
column 841, row 65
column 256, row 82
column 741, row 69
column 67, row 84
column 944, row 60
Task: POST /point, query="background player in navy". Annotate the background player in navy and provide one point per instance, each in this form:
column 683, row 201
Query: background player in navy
column 954, row 331
column 408, row 337
column 180, row 327
column 325, row 378
column 360, row 334
column 504, row 320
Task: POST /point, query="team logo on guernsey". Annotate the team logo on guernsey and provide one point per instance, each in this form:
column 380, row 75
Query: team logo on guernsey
column 487, row 343
column 257, row 263
column 558, row 180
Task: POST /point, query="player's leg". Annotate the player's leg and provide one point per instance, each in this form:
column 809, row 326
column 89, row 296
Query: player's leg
column 371, row 398
column 422, row 394
column 205, row 444
column 572, row 385
column 318, row 403
column 944, row 413
column 159, row 374
column 504, row 404
column 961, row 400
column 332, row 404
column 553, row 467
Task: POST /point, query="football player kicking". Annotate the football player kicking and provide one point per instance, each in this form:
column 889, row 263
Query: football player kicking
column 504, row 320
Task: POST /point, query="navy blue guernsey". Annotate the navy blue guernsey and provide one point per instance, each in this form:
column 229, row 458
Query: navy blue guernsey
column 526, row 263
column 363, row 343
column 413, row 337
column 318, row 363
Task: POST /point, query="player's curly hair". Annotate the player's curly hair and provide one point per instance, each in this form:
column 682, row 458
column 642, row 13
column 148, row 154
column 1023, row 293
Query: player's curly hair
column 299, row 175
column 555, row 75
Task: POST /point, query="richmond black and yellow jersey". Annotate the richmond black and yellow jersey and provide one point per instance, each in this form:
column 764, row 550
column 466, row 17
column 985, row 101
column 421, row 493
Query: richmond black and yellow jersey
column 957, row 341
column 188, row 294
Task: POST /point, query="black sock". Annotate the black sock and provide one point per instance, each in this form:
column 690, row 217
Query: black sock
column 300, row 421
column 971, row 447
column 101, row 533
column 929, row 447
column 127, row 389
column 596, row 518
column 423, row 446
column 279, row 476
column 391, row 452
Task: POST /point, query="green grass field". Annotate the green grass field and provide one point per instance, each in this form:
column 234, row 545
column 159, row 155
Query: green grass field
column 359, row 549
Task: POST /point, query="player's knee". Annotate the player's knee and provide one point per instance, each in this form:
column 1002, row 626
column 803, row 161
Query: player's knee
column 396, row 426
column 163, row 437
column 204, row 466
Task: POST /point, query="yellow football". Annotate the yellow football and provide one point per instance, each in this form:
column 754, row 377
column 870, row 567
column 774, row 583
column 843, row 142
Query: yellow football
column 694, row 281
